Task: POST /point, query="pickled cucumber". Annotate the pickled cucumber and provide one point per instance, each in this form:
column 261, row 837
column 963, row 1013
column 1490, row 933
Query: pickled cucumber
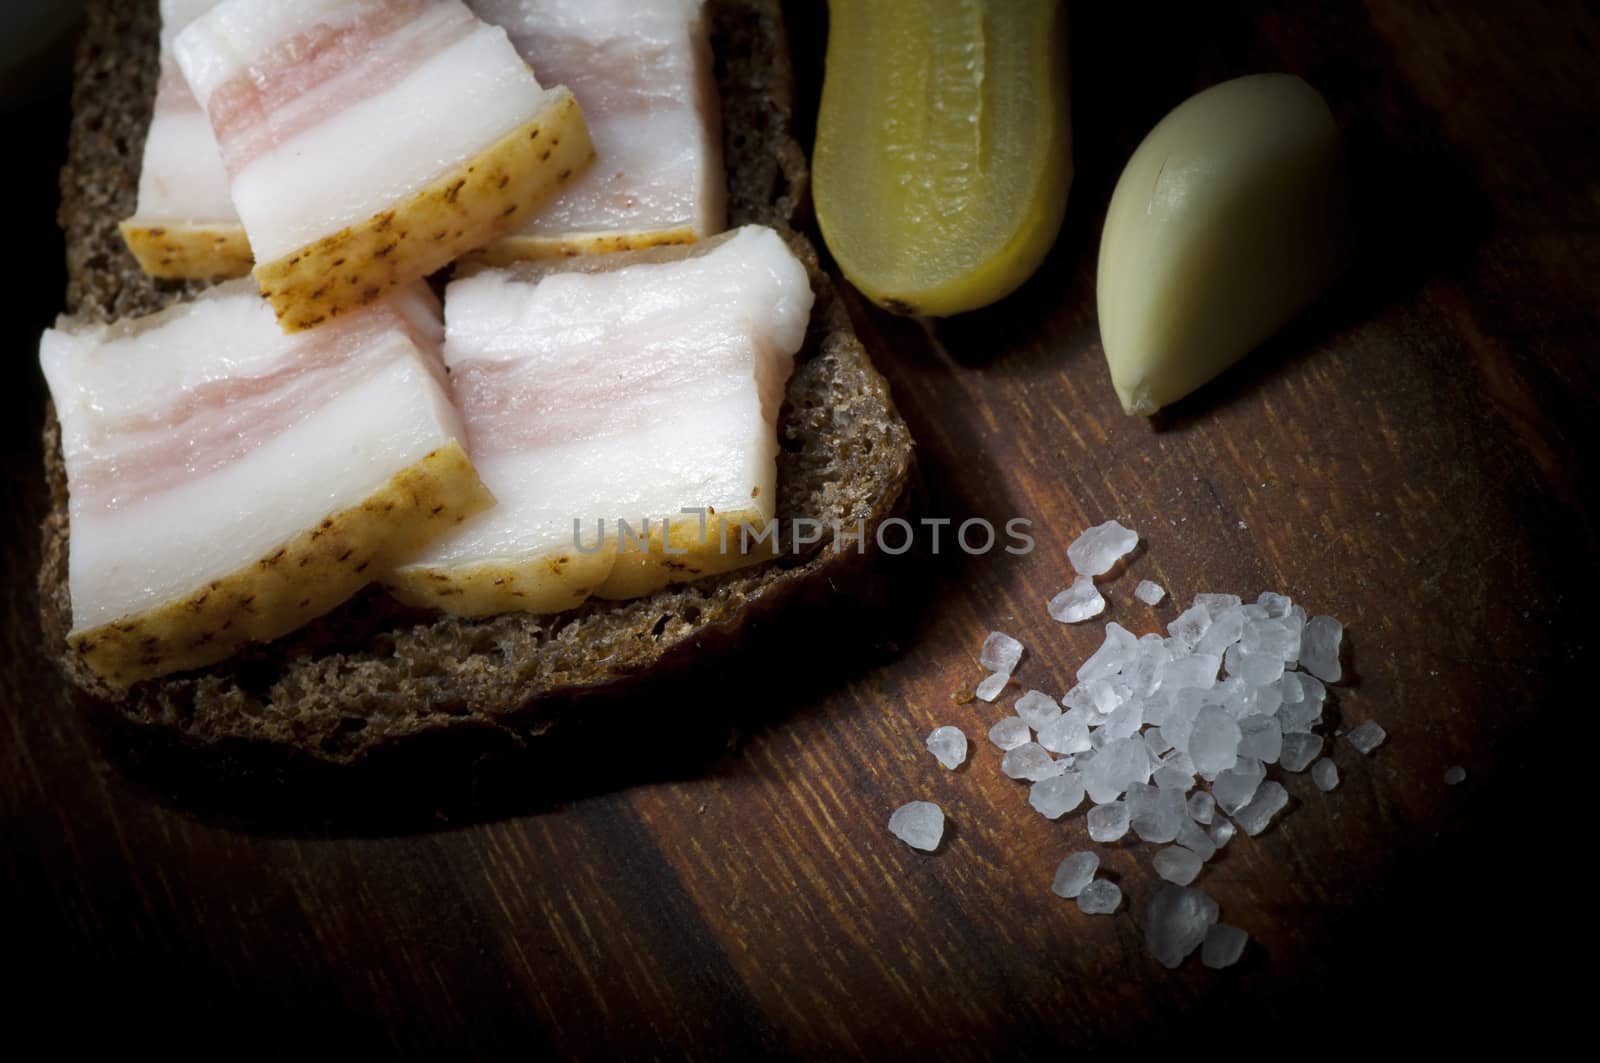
column 943, row 150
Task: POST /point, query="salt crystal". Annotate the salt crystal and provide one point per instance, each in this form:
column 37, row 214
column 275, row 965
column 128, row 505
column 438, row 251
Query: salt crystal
column 1289, row 686
column 948, row 745
column 1202, row 806
column 1106, row 695
column 1223, row 946
column 1177, row 865
column 1088, row 716
column 1276, row 605
column 1159, row 819
column 1265, row 700
column 919, row 824
column 1000, row 653
column 1366, row 737
column 1295, row 623
column 1325, row 773
column 1067, row 733
column 1156, row 741
column 991, row 686
column 1108, row 822
column 1174, row 805
column 1190, row 625
column 1217, row 604
column 1222, row 832
column 1319, row 648
column 1029, row 761
column 1224, row 631
column 1270, row 799
column 1074, row 873
column 1230, row 689
column 1173, row 778
column 1235, row 788
column 1178, row 724
column 1098, row 696
column 1054, row 797
column 1149, row 593
column 1119, row 649
column 1261, row 737
column 1177, row 760
column 1077, row 603
column 1214, row 741
column 1177, row 922
column 1095, row 551
column 1194, row 838
column 1149, row 671
column 1455, row 776
column 1038, row 709
column 1299, row 750
column 1010, row 732
column 1197, row 671
column 1238, row 699
column 1158, row 709
column 1274, row 638
column 1100, row 897
column 1119, row 764
column 1125, row 721
column 1299, row 716
column 1256, row 669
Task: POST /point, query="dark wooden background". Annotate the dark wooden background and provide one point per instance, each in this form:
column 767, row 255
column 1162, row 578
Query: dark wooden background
column 1404, row 458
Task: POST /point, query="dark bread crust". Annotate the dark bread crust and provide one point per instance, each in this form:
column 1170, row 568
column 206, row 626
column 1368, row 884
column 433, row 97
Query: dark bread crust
column 375, row 675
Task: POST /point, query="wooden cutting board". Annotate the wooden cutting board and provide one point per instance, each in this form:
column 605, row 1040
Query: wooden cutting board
column 1404, row 458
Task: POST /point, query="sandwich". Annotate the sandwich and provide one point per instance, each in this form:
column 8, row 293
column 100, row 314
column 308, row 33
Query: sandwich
column 779, row 399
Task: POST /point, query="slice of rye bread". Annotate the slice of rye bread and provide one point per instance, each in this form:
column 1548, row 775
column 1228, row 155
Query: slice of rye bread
column 375, row 675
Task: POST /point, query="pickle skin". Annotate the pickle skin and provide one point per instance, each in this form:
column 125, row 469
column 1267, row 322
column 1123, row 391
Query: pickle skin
column 940, row 189
column 1229, row 219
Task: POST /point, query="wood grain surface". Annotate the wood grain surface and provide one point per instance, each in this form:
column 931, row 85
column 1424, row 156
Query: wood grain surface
column 721, row 883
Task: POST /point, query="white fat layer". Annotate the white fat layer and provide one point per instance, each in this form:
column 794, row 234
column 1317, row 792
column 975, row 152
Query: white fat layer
column 595, row 19
column 654, row 171
column 157, row 548
column 547, row 495
column 651, row 173
column 177, row 14
column 378, row 152
column 182, row 178
column 115, row 372
column 752, row 280
column 701, row 442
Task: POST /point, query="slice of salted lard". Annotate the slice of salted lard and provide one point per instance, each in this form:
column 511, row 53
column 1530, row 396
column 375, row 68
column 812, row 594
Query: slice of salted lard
column 642, row 71
column 632, row 386
column 184, row 225
column 229, row 482
column 371, row 142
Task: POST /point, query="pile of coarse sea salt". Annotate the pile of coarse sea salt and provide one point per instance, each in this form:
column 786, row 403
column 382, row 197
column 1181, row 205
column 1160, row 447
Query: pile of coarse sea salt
column 1168, row 737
